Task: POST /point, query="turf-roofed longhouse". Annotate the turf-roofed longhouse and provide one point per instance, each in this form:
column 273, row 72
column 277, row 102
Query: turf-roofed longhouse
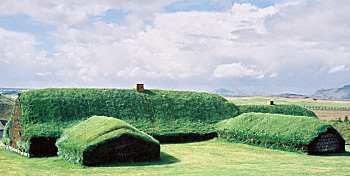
column 102, row 140
column 41, row 115
column 293, row 133
column 294, row 110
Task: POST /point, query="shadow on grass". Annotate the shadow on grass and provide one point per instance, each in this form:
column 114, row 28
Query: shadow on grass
column 183, row 138
column 165, row 159
column 346, row 154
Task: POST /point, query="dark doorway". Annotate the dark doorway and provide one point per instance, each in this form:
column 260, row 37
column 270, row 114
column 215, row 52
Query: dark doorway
column 42, row 147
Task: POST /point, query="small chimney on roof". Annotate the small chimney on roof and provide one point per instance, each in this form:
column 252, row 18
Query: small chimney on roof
column 140, row 88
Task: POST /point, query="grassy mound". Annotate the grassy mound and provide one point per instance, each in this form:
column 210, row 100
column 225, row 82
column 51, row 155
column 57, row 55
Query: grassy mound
column 46, row 112
column 272, row 130
column 277, row 109
column 100, row 140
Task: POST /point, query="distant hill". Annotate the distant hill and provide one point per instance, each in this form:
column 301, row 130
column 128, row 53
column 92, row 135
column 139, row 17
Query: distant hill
column 334, row 94
column 229, row 93
column 292, row 95
column 225, row 92
column 11, row 91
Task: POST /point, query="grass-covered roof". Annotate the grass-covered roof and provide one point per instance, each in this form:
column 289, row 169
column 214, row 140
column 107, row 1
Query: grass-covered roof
column 48, row 105
column 294, row 110
column 93, row 132
column 272, row 130
column 46, row 112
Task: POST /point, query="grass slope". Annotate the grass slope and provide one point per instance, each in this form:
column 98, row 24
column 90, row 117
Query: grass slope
column 205, row 158
column 272, row 130
column 93, row 132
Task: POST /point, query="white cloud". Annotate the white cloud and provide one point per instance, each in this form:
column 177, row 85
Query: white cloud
column 43, row 74
column 291, row 42
column 20, row 59
column 165, row 50
column 339, row 68
column 237, row 70
column 273, row 75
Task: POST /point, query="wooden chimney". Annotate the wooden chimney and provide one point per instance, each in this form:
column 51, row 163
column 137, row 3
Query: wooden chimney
column 140, row 88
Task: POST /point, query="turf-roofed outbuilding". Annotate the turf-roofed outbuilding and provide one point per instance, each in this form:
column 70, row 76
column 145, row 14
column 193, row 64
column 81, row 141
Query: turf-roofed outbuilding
column 294, row 110
column 104, row 140
column 293, row 133
column 41, row 115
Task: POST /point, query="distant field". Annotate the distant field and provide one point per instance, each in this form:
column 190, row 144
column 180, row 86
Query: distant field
column 296, row 101
column 325, row 109
column 329, row 115
column 204, row 158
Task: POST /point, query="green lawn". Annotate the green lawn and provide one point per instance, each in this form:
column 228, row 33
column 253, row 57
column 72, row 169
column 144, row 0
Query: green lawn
column 204, row 158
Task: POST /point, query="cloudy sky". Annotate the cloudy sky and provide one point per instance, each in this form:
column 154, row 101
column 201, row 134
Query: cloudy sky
column 259, row 46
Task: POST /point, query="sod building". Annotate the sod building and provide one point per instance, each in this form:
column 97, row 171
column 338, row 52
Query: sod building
column 292, row 133
column 103, row 140
column 40, row 116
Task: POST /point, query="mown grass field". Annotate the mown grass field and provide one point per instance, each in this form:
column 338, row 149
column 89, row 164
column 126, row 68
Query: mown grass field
column 213, row 157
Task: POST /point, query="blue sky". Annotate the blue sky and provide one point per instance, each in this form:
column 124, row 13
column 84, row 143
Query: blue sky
column 209, row 5
column 260, row 46
column 111, row 16
column 26, row 24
